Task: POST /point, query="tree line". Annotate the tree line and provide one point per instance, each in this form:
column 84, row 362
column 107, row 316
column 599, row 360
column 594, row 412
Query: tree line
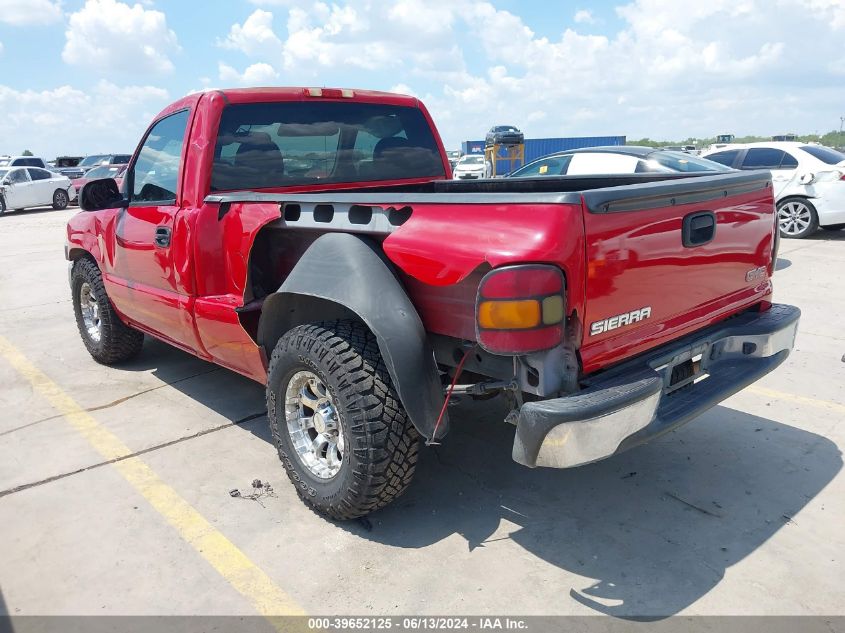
column 834, row 138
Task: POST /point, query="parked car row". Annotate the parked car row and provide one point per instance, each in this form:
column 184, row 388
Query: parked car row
column 809, row 180
column 28, row 181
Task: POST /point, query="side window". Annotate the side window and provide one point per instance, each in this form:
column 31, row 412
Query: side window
column 39, row 174
column 725, row 158
column 762, row 158
column 18, row 176
column 789, row 161
column 155, row 175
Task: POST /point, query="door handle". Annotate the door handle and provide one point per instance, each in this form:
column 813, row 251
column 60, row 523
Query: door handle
column 162, row 238
column 698, row 228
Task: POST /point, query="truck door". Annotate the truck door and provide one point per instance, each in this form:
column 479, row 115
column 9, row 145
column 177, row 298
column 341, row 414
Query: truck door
column 19, row 193
column 150, row 282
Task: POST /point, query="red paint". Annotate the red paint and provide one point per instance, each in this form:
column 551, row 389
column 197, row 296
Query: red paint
column 527, row 340
column 521, row 281
column 636, row 260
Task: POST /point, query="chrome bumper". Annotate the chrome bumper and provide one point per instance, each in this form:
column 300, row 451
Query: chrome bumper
column 638, row 400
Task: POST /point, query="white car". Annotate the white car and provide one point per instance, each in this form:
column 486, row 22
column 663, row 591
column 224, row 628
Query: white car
column 809, row 182
column 471, row 166
column 24, row 187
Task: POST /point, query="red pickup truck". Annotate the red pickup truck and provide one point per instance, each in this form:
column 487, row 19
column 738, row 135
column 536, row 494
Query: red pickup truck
column 310, row 239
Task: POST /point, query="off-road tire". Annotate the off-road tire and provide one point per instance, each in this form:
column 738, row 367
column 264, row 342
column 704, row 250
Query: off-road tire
column 118, row 342
column 382, row 444
column 61, row 199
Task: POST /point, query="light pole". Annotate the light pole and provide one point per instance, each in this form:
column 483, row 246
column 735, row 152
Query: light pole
column 841, row 123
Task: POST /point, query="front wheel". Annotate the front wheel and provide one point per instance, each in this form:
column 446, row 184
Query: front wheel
column 797, row 218
column 342, row 434
column 60, row 199
column 105, row 336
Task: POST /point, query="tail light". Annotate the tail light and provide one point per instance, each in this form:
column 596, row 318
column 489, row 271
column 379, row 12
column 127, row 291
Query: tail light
column 520, row 309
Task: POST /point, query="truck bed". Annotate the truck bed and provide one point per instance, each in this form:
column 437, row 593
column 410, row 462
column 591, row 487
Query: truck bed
column 620, row 241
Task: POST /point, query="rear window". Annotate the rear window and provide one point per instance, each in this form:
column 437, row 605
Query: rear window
column 105, row 171
column 824, row 154
column 95, row 159
column 683, row 162
column 264, row 145
column 552, row 166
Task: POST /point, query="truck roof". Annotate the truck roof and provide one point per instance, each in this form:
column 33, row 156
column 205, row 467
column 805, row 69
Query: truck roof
column 292, row 93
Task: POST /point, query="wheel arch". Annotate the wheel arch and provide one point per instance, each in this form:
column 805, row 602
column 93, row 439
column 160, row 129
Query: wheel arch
column 344, row 276
column 75, row 252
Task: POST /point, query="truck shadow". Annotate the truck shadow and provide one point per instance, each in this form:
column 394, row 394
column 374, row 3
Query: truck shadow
column 656, row 527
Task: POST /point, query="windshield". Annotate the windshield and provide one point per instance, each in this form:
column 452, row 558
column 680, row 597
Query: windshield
column 262, row 145
column 3, row 173
column 90, row 161
column 825, row 154
column 472, row 160
column 683, row 162
column 105, row 171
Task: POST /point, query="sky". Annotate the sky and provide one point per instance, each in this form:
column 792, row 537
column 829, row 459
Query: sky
column 87, row 76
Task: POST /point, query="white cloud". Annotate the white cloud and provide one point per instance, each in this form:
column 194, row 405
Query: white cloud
column 67, row 120
column 30, row 12
column 584, row 16
column 671, row 69
column 255, row 37
column 259, row 74
column 402, row 89
column 111, row 36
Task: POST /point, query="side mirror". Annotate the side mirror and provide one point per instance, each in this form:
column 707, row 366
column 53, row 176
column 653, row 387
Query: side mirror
column 100, row 194
column 806, row 179
column 6, row 181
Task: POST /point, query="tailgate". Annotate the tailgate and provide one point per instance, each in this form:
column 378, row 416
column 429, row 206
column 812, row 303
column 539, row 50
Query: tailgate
column 667, row 258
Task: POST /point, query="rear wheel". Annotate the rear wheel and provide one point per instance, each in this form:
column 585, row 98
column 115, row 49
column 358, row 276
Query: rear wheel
column 797, row 218
column 60, row 199
column 105, row 336
column 342, row 434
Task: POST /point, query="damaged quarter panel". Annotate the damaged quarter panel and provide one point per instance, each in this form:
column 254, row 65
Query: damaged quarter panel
column 437, row 256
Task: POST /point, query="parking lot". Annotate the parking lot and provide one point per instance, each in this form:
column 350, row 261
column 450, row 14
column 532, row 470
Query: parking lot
column 739, row 512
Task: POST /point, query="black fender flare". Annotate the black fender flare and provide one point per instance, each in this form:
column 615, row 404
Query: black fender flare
column 343, row 275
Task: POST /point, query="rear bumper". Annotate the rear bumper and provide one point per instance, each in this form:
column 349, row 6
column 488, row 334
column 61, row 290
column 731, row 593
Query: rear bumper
column 635, row 402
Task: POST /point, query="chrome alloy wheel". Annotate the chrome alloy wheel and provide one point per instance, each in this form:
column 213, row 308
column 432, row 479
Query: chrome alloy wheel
column 794, row 217
column 314, row 424
column 90, row 312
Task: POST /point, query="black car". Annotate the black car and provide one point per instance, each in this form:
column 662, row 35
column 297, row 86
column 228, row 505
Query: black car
column 504, row 135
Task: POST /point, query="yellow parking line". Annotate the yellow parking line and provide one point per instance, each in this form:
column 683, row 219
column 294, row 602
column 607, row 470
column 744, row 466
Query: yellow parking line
column 791, row 397
column 229, row 561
